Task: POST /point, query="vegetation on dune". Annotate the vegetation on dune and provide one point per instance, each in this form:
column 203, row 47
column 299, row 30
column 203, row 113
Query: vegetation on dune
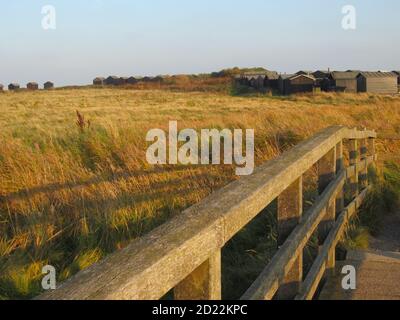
column 384, row 198
column 72, row 192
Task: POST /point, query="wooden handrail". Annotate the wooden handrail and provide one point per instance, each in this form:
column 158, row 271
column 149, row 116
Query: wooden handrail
column 267, row 284
column 184, row 253
column 310, row 284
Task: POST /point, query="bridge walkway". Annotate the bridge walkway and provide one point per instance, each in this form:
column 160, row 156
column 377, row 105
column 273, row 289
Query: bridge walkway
column 377, row 277
column 377, row 270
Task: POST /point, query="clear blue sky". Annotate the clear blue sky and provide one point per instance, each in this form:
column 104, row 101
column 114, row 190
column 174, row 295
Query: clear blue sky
column 150, row 37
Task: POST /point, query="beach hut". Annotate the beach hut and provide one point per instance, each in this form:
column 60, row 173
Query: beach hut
column 123, row 80
column 271, row 80
column 132, row 80
column 158, row 79
column 398, row 76
column 344, row 81
column 377, row 82
column 13, row 86
column 262, row 80
column 321, row 74
column 32, row 86
column 256, row 81
column 112, row 80
column 48, row 85
column 99, row 81
column 297, row 83
column 304, row 72
column 322, row 79
column 147, row 79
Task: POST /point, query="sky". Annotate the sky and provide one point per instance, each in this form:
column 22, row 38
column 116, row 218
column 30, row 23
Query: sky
column 151, row 37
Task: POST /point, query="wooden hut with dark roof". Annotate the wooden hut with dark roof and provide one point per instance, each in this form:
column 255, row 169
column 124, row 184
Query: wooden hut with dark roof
column 32, row 86
column 271, row 80
column 247, row 80
column 255, row 81
column 267, row 80
column 321, row 77
column 321, row 74
column 147, row 79
column 377, row 82
column 132, row 80
column 98, row 81
column 281, row 81
column 343, row 81
column 123, row 81
column 296, row 83
column 48, row 85
column 112, row 81
column 158, row 79
column 304, row 72
column 13, row 86
column 398, row 76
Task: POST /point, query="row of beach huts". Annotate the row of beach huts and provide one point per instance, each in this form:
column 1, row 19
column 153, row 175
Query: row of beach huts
column 29, row 86
column 353, row 81
column 98, row 81
column 120, row 81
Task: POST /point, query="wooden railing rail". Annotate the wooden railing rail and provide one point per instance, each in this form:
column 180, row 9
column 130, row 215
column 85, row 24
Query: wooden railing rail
column 326, row 258
column 185, row 253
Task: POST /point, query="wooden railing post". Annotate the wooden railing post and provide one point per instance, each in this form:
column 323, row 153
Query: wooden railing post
column 363, row 157
column 339, row 206
column 326, row 174
column 353, row 161
column 204, row 283
column 371, row 149
column 326, row 170
column 339, row 157
column 290, row 209
column 371, row 146
column 339, row 168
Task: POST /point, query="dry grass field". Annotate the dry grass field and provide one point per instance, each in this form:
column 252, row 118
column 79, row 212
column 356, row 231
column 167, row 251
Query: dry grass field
column 70, row 195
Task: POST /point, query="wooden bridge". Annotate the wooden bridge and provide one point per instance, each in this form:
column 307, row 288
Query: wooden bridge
column 377, row 277
column 184, row 255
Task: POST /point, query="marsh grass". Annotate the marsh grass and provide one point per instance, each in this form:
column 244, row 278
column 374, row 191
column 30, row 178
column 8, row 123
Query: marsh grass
column 69, row 197
column 383, row 199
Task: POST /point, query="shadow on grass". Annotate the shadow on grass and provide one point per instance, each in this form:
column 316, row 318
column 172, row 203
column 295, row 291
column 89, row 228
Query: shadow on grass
column 106, row 177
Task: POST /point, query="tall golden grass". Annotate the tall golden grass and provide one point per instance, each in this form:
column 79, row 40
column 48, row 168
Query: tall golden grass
column 69, row 196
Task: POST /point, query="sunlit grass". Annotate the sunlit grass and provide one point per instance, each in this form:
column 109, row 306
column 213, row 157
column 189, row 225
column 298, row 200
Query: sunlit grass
column 69, row 197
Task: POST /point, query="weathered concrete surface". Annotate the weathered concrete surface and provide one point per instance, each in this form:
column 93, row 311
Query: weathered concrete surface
column 378, row 277
column 373, row 255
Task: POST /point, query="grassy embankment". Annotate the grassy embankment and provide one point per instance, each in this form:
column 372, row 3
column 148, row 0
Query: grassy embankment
column 68, row 197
